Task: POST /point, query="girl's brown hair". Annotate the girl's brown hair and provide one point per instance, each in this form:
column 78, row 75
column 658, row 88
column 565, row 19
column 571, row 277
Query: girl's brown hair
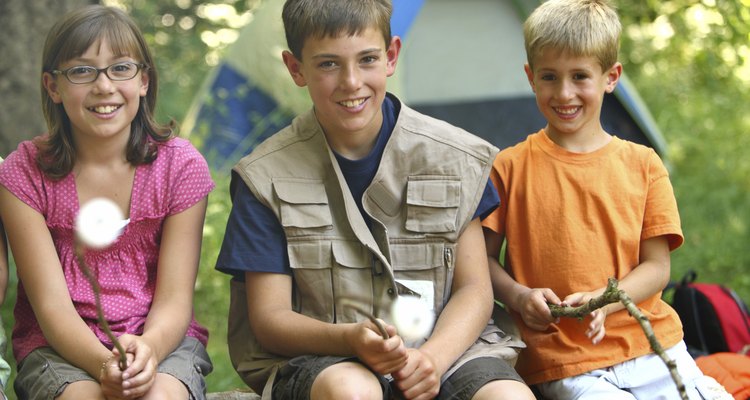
column 69, row 38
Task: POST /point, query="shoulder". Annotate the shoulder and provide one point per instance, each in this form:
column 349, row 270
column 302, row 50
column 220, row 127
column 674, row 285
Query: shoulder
column 299, row 131
column 516, row 154
column 177, row 146
column 639, row 157
column 443, row 133
column 23, row 158
column 178, row 152
column 298, row 148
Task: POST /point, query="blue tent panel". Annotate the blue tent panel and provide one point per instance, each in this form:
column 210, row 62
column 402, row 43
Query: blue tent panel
column 235, row 117
column 404, row 12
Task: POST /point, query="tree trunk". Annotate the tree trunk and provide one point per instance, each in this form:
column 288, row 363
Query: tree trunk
column 23, row 28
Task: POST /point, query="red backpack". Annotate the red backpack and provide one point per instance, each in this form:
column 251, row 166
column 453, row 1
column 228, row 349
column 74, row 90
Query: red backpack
column 714, row 318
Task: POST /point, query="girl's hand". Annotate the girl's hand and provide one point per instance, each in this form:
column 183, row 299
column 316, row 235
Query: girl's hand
column 110, row 378
column 595, row 330
column 532, row 305
column 140, row 374
column 419, row 378
column 383, row 356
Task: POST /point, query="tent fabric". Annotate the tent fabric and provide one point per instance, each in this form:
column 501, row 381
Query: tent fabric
column 460, row 61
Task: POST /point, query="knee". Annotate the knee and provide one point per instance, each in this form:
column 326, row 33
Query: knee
column 504, row 389
column 81, row 390
column 166, row 387
column 346, row 381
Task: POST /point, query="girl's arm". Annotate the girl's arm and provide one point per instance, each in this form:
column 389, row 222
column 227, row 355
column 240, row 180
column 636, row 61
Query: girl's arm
column 172, row 306
column 179, row 256
column 3, row 263
column 41, row 273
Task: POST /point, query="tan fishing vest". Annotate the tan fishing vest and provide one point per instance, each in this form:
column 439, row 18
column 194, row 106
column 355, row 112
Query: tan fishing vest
column 429, row 183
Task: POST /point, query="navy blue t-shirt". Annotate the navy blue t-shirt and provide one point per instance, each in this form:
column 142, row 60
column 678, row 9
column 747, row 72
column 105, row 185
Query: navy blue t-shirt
column 254, row 239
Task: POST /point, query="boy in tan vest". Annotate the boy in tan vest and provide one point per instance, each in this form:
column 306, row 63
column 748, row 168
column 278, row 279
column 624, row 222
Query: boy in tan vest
column 357, row 203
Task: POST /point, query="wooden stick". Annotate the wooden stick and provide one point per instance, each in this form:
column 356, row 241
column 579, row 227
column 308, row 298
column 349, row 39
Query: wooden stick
column 613, row 295
column 123, row 362
column 353, row 304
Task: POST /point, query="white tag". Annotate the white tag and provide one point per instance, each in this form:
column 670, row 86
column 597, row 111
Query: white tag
column 426, row 290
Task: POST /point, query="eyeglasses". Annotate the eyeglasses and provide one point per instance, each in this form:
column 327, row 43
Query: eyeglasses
column 86, row 74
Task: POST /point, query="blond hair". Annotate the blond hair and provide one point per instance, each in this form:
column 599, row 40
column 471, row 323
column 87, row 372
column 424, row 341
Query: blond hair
column 580, row 28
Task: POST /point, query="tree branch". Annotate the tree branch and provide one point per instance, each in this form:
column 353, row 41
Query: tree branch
column 613, row 295
column 123, row 361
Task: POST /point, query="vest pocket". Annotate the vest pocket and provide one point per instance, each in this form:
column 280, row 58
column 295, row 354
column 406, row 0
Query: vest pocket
column 304, row 204
column 432, row 203
column 352, row 280
column 311, row 265
column 415, row 264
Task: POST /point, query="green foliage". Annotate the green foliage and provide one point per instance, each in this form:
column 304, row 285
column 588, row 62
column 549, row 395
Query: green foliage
column 696, row 83
column 212, row 289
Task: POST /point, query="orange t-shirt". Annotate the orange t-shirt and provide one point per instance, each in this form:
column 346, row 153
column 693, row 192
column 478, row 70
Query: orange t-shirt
column 571, row 221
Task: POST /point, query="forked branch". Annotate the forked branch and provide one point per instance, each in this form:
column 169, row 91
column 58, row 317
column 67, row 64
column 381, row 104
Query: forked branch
column 613, row 295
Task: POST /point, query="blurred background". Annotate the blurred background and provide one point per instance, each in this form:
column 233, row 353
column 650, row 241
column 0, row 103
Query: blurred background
column 222, row 80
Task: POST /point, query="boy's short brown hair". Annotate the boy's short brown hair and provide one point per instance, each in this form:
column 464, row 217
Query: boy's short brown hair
column 575, row 27
column 324, row 18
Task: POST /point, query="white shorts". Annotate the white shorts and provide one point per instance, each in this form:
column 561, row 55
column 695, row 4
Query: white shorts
column 645, row 377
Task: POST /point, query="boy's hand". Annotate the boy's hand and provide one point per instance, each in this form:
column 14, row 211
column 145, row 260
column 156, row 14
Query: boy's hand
column 383, row 356
column 532, row 305
column 419, row 378
column 595, row 330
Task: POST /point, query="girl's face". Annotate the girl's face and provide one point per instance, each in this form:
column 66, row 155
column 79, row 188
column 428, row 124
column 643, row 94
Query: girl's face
column 102, row 109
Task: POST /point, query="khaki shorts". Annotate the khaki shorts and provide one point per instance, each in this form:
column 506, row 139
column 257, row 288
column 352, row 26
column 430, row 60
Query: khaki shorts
column 44, row 374
column 294, row 381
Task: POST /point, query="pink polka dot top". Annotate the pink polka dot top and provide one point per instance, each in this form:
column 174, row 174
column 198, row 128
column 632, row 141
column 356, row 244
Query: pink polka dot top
column 176, row 180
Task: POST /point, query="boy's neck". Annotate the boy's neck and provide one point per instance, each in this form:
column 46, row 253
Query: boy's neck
column 580, row 142
column 354, row 145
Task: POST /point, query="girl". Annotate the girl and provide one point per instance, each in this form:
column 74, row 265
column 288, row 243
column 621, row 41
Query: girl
column 99, row 88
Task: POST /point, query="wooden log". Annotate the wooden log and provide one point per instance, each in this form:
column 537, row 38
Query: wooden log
column 236, row 394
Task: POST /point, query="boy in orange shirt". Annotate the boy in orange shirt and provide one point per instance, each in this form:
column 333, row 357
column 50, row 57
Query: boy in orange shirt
column 579, row 205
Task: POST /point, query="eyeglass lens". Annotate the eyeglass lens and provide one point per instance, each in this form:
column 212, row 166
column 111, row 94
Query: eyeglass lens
column 115, row 72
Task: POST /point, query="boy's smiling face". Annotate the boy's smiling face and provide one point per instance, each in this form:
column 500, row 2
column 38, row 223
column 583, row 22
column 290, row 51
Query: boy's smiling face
column 570, row 91
column 346, row 78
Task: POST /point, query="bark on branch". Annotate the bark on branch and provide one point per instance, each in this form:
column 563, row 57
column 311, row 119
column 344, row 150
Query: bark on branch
column 123, row 361
column 613, row 295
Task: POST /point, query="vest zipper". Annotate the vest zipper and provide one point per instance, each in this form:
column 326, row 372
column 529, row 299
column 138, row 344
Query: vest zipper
column 448, row 257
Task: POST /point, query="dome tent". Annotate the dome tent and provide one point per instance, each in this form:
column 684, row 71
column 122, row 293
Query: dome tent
column 460, row 61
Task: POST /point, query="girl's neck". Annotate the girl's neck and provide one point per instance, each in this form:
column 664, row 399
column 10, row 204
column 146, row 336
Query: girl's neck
column 106, row 151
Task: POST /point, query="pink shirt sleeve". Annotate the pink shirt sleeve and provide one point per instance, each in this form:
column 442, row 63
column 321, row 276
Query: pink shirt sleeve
column 20, row 175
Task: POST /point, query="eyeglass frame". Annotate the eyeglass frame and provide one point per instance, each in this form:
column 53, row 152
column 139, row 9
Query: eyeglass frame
column 64, row 72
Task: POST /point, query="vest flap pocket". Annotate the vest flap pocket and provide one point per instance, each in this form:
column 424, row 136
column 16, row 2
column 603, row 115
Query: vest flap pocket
column 415, row 257
column 350, row 255
column 309, row 255
column 433, row 192
column 432, row 203
column 304, row 203
column 313, row 276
